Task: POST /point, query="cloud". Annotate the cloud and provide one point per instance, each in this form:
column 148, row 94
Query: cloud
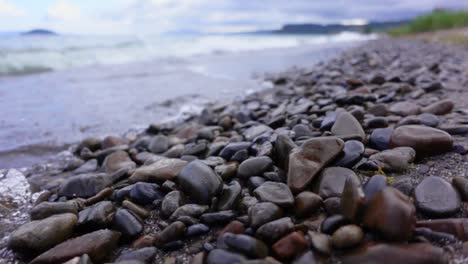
column 157, row 16
column 231, row 15
column 64, row 10
column 8, row 9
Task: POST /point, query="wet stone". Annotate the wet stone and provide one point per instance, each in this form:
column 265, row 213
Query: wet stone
column 162, row 170
column 145, row 255
column 255, row 131
column 352, row 152
column 172, row 232
column 307, row 203
column 394, row 160
column 192, row 210
column 425, row 140
column 229, row 196
column 374, row 185
column 158, row 144
column 439, row 108
column 274, row 230
column 217, row 218
column 405, row 109
column 199, row 182
column 347, row 125
column 302, row 130
column 352, row 200
column 221, row 256
column 97, row 245
column 254, row 167
column 240, row 155
column 309, row 159
column 429, row 120
column 461, row 184
column 282, row 148
column 40, row 235
column 119, row 160
column 380, row 138
column 127, row 223
column 197, row 230
column 145, row 193
column 436, row 197
column 275, row 192
column 320, row 242
column 227, row 171
column 262, row 213
column 255, row 182
column 376, row 122
column 328, row 121
column 85, row 185
column 97, row 216
column 290, row 245
column 332, row 223
column 347, row 236
column 246, row 245
column 391, row 214
column 46, row 209
column 332, row 180
column 332, row 205
column 171, row 202
column 399, row 253
column 232, row 148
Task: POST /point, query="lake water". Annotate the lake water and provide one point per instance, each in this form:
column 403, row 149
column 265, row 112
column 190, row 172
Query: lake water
column 56, row 90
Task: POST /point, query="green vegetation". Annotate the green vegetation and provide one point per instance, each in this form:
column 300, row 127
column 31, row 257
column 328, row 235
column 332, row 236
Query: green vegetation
column 438, row 19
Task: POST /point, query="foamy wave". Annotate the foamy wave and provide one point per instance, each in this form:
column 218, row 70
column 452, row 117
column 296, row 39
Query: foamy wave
column 20, row 55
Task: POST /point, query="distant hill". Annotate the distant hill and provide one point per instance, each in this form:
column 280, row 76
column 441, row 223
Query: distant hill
column 336, row 28
column 40, row 32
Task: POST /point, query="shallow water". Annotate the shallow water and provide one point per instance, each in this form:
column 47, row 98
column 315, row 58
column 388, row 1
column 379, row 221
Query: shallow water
column 41, row 113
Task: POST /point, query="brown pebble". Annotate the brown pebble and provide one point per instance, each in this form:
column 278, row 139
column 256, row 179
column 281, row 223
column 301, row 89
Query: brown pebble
column 140, row 211
column 234, row 227
column 290, row 245
column 144, row 241
column 105, row 193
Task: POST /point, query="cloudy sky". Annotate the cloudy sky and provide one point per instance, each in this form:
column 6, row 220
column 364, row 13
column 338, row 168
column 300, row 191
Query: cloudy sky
column 150, row 16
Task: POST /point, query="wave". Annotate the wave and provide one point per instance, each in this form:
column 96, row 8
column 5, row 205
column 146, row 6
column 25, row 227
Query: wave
column 7, row 70
column 21, row 55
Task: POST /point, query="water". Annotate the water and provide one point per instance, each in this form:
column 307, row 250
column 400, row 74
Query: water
column 24, row 54
column 56, row 90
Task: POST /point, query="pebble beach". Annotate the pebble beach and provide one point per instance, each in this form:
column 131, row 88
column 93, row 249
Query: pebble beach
column 359, row 159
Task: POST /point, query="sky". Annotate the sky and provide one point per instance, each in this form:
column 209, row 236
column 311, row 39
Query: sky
column 209, row 16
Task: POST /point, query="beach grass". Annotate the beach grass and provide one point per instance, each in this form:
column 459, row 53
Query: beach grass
column 436, row 20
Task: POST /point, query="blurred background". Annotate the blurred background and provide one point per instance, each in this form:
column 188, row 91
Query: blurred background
column 74, row 68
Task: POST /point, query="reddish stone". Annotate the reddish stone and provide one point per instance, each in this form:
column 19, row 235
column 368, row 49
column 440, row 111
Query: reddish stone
column 361, row 90
column 352, row 200
column 455, row 226
column 290, row 245
column 391, row 214
column 439, row 108
column 144, row 241
column 188, row 132
column 113, row 141
column 234, row 227
column 354, row 82
column 425, row 140
column 417, row 253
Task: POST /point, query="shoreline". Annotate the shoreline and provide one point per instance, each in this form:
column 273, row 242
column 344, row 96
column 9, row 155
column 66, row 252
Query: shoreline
column 166, row 90
column 288, row 168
